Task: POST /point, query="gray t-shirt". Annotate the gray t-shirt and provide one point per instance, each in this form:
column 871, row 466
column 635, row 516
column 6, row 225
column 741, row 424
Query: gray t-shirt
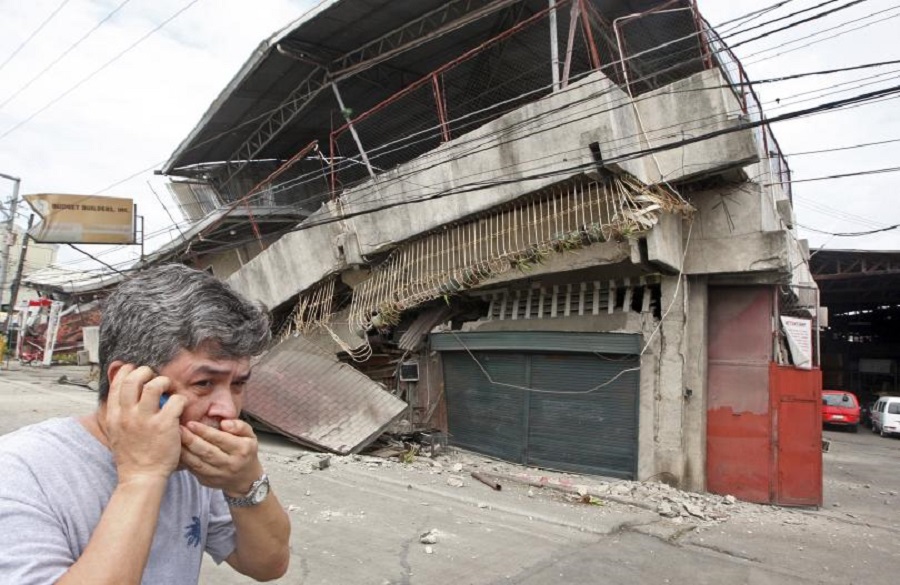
column 55, row 481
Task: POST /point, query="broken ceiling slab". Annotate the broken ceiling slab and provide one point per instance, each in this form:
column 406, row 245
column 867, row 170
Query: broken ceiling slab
column 317, row 401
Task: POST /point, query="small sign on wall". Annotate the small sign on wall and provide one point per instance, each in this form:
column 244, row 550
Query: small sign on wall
column 799, row 335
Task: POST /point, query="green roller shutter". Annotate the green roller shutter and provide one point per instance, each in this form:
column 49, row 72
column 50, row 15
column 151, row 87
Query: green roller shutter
column 482, row 417
column 580, row 415
column 580, row 426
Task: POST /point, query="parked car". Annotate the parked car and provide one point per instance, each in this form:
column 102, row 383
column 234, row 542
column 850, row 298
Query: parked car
column 840, row 408
column 886, row 416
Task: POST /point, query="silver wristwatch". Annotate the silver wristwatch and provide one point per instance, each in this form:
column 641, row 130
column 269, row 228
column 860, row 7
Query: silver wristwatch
column 258, row 492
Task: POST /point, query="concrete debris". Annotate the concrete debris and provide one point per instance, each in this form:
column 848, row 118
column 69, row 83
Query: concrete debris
column 666, row 510
column 454, row 481
column 309, row 462
column 430, row 537
column 670, row 504
column 429, row 550
column 694, row 511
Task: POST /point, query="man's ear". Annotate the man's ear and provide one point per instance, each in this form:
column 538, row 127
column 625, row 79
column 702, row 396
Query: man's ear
column 112, row 369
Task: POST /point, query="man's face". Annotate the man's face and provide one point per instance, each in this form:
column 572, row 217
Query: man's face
column 214, row 388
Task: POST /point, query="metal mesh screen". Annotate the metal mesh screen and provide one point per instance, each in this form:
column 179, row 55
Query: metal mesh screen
column 651, row 61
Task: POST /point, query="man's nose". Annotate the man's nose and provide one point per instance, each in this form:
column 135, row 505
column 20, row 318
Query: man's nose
column 223, row 404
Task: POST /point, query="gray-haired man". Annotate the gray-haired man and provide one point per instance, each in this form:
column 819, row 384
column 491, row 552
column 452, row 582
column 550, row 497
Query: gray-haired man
column 136, row 491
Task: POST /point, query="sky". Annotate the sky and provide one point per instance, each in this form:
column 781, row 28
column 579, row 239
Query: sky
column 113, row 109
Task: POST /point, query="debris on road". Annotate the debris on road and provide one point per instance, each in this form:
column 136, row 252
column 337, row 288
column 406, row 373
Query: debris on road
column 487, row 481
column 430, row 537
column 454, row 481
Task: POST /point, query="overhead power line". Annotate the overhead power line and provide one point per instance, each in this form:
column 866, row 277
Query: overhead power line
column 850, row 234
column 838, row 176
column 780, row 46
column 98, row 70
column 62, row 55
column 798, row 23
column 751, row 16
column 729, row 34
column 33, row 34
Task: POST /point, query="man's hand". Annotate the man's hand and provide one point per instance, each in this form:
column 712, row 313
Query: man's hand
column 143, row 438
column 225, row 459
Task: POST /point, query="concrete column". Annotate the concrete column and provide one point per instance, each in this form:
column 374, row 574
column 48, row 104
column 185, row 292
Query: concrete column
column 695, row 381
column 669, row 435
column 672, row 436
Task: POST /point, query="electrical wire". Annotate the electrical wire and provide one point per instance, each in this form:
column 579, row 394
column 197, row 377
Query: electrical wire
column 62, row 55
column 726, row 35
column 91, row 75
column 839, row 176
column 748, row 58
column 797, row 23
column 850, row 234
column 33, row 34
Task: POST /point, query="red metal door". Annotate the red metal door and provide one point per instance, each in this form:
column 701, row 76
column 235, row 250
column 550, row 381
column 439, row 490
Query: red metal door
column 797, row 428
column 738, row 432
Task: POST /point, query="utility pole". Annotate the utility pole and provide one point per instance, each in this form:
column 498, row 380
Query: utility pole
column 7, row 238
column 14, row 288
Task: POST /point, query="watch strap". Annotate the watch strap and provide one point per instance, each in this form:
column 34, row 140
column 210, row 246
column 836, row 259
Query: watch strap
column 248, row 499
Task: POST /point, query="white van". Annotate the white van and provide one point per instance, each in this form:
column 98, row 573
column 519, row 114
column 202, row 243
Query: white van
column 886, row 416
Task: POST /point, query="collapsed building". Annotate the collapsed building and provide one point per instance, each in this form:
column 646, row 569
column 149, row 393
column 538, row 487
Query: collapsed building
column 561, row 233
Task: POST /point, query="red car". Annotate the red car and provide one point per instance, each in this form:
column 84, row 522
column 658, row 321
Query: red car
column 840, row 408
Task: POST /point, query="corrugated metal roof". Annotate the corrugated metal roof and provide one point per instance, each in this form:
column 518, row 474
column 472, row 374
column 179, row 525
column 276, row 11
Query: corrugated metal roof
column 332, row 29
column 318, row 401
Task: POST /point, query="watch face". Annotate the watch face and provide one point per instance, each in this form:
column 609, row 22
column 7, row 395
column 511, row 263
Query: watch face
column 261, row 492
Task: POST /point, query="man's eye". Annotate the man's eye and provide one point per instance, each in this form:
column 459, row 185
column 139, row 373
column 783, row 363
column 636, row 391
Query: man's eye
column 203, row 383
column 239, row 385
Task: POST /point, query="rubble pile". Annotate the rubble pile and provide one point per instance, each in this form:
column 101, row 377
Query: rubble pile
column 464, row 470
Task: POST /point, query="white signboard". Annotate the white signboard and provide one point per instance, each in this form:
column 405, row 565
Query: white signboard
column 799, row 335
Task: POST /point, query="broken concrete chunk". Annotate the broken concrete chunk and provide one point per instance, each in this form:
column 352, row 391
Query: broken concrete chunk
column 457, row 467
column 454, row 481
column 430, row 537
column 694, row 511
column 729, row 499
column 665, row 510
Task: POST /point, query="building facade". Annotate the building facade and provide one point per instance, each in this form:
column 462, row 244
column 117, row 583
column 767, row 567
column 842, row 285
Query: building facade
column 562, row 232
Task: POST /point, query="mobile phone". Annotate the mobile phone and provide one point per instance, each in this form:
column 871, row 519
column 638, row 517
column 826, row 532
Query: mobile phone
column 163, row 399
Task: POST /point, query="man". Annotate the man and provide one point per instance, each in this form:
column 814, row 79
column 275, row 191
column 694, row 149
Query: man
column 163, row 470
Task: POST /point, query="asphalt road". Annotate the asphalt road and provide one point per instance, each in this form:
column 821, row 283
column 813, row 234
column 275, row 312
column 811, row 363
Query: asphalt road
column 360, row 520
